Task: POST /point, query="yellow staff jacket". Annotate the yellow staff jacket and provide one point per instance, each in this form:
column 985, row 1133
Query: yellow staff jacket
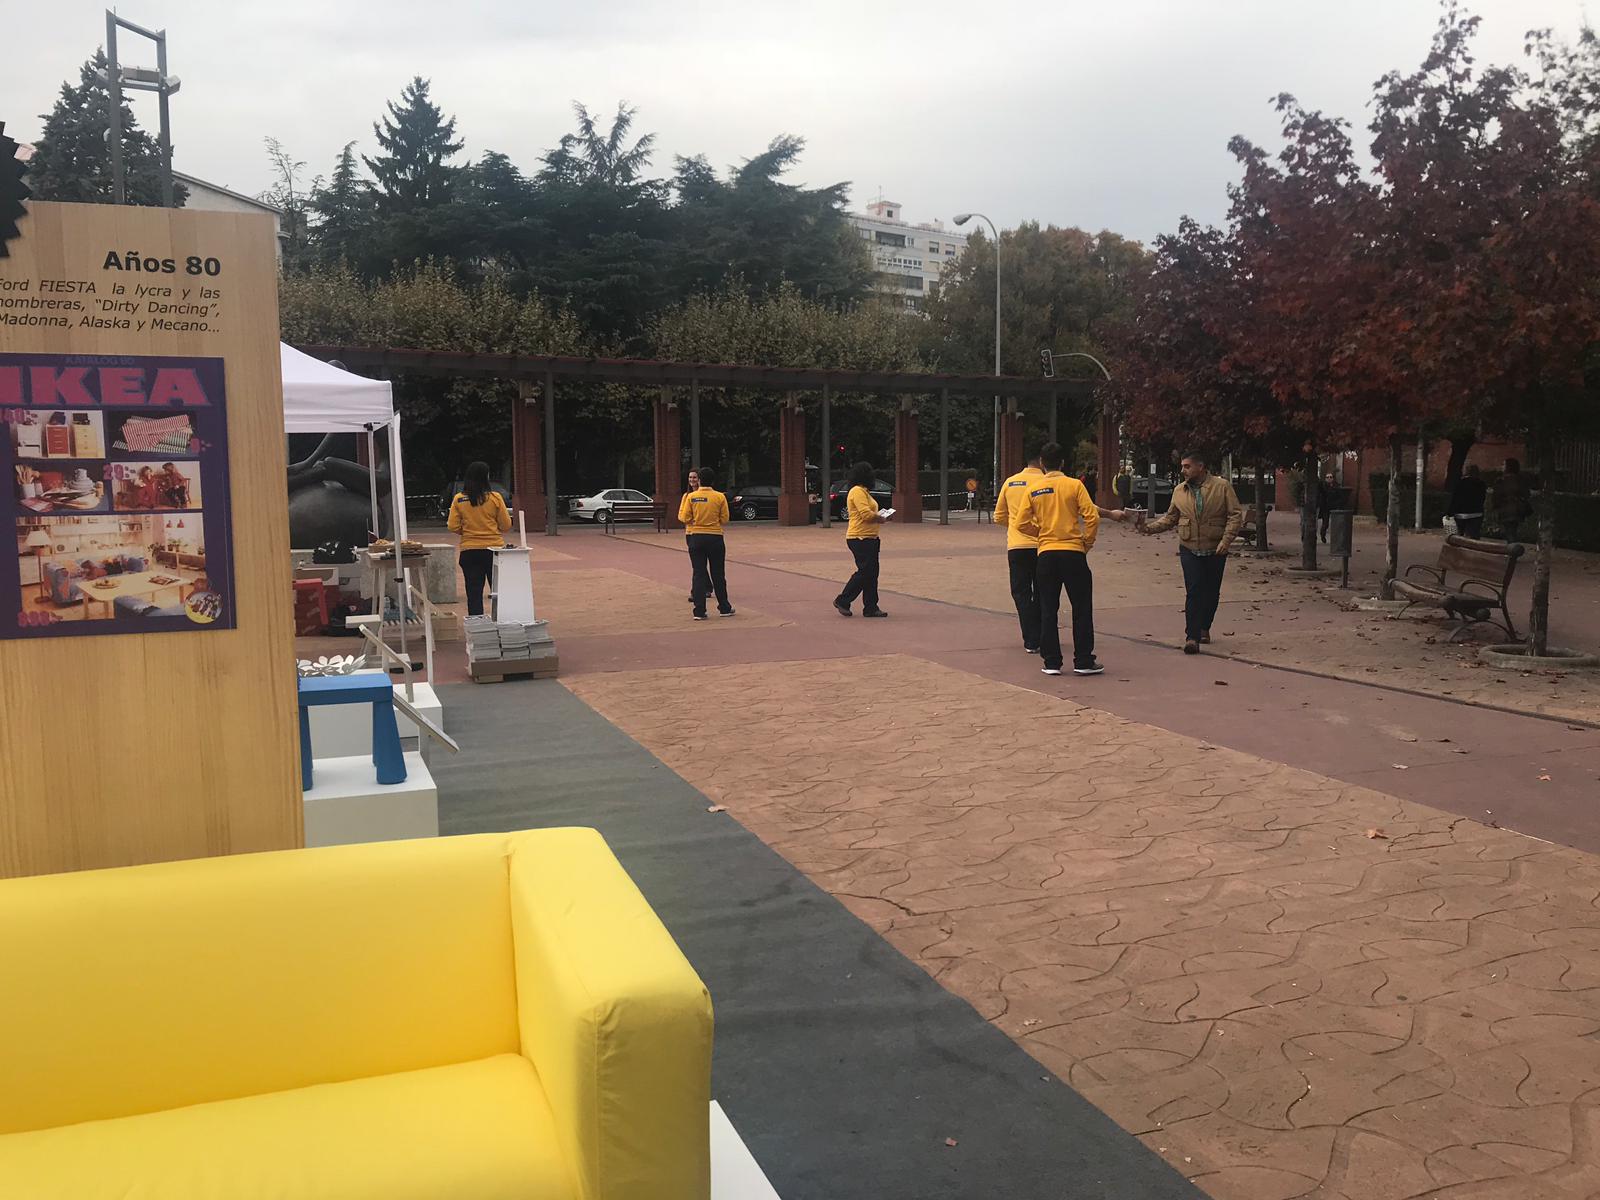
column 1005, row 508
column 704, row 510
column 1059, row 512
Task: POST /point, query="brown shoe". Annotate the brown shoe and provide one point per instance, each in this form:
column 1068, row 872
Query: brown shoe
column 1191, row 647
column 1205, row 638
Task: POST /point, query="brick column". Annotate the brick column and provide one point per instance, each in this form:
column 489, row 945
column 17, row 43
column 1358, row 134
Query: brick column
column 527, row 454
column 907, row 497
column 794, row 503
column 1283, row 496
column 1108, row 461
column 1361, row 486
column 1012, row 457
column 669, row 455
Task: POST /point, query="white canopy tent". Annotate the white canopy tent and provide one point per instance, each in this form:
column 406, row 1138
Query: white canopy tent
column 321, row 398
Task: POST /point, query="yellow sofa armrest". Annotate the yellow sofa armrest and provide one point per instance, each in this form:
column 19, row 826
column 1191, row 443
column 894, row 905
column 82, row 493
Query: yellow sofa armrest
column 613, row 1018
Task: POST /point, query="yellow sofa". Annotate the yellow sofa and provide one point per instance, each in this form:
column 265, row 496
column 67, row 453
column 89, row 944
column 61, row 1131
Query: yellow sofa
column 480, row 1017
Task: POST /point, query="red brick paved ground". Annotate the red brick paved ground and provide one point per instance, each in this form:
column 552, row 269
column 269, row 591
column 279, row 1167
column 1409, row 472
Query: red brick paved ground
column 1162, row 887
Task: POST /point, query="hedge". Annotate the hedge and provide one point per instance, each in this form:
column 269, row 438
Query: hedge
column 1577, row 516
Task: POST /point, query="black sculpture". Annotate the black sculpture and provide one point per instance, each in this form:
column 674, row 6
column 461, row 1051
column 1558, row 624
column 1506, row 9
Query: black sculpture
column 330, row 500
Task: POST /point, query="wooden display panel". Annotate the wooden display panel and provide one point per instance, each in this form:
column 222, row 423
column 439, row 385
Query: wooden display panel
column 144, row 747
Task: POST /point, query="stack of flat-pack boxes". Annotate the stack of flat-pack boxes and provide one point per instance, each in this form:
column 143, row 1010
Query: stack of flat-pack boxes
column 496, row 649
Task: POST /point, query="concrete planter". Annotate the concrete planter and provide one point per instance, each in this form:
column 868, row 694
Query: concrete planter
column 1514, row 656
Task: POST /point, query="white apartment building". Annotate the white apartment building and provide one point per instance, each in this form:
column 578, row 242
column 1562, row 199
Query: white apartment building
column 910, row 259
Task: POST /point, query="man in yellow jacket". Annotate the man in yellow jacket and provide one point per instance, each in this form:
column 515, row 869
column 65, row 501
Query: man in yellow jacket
column 1059, row 511
column 1207, row 512
column 704, row 513
column 1022, row 551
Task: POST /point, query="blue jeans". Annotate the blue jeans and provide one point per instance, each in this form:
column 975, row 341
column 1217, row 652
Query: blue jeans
column 1202, row 580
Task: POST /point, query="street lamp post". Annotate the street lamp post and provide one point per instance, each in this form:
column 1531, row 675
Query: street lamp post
column 962, row 219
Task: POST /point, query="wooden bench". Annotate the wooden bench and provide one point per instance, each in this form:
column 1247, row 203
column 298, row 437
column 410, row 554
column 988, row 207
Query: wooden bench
column 636, row 510
column 1482, row 571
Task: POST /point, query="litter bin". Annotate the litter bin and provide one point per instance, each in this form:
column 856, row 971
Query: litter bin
column 1340, row 522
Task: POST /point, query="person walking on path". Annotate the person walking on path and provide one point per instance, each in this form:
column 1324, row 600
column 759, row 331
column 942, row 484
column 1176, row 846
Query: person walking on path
column 1513, row 502
column 1022, row 552
column 480, row 517
column 1207, row 512
column 861, row 535
column 704, row 514
column 1058, row 511
column 1467, row 501
column 1330, row 499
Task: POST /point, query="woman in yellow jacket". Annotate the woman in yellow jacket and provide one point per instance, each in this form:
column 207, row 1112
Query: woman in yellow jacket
column 703, row 513
column 480, row 517
column 862, row 537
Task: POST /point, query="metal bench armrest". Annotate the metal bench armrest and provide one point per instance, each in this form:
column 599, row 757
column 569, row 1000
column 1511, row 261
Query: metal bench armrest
column 1493, row 592
column 1436, row 572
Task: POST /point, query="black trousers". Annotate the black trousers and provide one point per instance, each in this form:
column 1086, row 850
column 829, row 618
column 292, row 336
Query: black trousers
column 476, row 567
column 864, row 582
column 1202, row 581
column 708, row 555
column 1068, row 569
column 1469, row 526
column 1024, row 564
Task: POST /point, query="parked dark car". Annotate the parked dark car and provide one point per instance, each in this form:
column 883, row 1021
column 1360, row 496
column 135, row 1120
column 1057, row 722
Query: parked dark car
column 1141, row 494
column 757, row 502
column 839, row 494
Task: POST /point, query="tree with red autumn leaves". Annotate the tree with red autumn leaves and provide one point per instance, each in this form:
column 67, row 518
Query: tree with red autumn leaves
column 1178, row 378
column 1490, row 184
column 1456, row 284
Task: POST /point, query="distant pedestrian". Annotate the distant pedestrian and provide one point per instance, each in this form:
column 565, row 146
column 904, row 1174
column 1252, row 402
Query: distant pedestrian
column 1022, row 551
column 1122, row 485
column 481, row 518
column 861, row 536
column 1207, row 512
column 1513, row 502
column 704, row 514
column 1091, row 482
column 1331, row 498
column 972, row 492
column 1060, row 513
column 1467, row 501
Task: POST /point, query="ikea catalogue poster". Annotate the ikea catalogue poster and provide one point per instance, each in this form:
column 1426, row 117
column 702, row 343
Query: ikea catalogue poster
column 118, row 495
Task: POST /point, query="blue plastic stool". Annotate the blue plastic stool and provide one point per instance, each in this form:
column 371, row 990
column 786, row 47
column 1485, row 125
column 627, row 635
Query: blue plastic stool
column 375, row 690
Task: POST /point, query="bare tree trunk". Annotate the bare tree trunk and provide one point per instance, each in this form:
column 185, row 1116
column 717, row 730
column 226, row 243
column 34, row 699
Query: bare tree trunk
column 1545, row 510
column 1460, row 447
column 1261, row 504
column 1308, row 514
column 1391, row 521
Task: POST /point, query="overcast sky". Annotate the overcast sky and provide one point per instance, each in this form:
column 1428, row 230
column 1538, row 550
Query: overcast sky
column 1113, row 114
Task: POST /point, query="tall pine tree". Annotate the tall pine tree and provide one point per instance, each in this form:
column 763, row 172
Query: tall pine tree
column 413, row 172
column 72, row 161
column 344, row 212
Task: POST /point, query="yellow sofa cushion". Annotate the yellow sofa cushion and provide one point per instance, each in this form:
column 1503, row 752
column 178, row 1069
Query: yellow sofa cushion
column 480, row 1129
column 154, row 987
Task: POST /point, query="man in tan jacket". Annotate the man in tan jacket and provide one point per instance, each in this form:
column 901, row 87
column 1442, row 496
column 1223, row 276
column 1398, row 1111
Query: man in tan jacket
column 1208, row 515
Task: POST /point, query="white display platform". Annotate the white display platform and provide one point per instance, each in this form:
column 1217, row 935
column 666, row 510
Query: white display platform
column 340, row 730
column 512, row 585
column 346, row 802
column 734, row 1172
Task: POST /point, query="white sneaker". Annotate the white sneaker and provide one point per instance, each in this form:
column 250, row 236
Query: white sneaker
column 1050, row 670
column 1094, row 668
